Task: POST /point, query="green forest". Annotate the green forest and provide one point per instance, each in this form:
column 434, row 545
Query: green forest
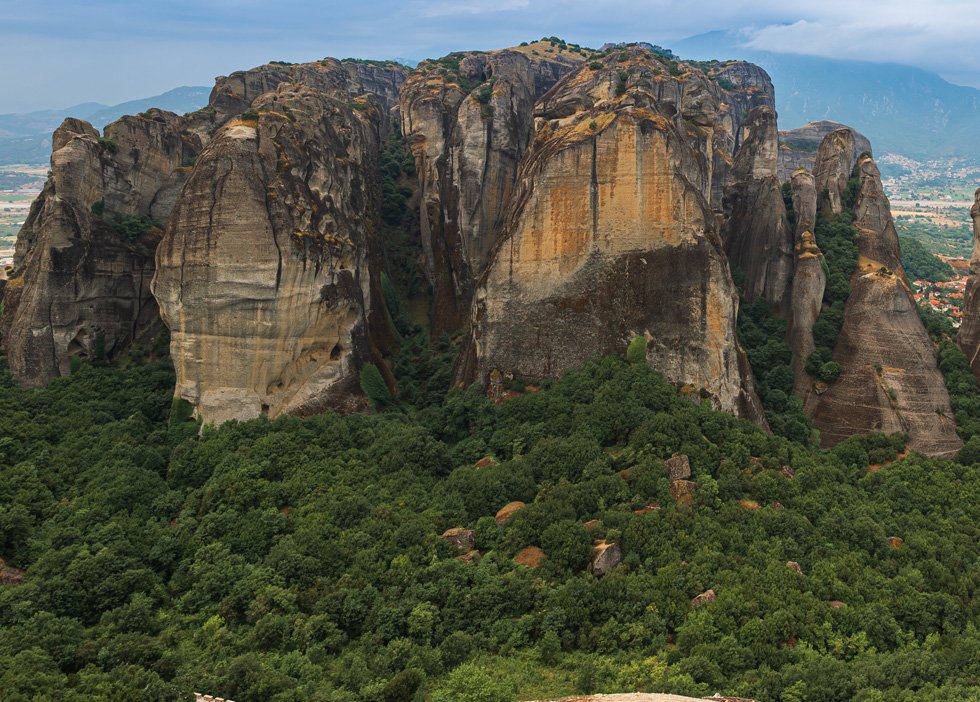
column 300, row 559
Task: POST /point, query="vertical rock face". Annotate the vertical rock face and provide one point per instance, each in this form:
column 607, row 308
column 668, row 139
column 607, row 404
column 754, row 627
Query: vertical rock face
column 798, row 147
column 267, row 273
column 468, row 120
column 809, row 280
column 832, row 168
column 611, row 235
column 755, row 229
column 968, row 336
column 78, row 286
column 882, row 329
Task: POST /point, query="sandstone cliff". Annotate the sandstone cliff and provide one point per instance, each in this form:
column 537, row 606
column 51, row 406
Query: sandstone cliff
column 798, row 147
column 809, row 280
column 832, row 169
column 81, row 280
column 468, row 119
column 755, row 229
column 611, row 235
column 267, row 276
column 882, row 329
column 968, row 336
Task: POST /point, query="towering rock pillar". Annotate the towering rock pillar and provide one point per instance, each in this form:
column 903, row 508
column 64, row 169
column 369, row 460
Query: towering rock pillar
column 968, row 336
column 755, row 230
column 81, row 280
column 268, row 274
column 889, row 380
column 610, row 236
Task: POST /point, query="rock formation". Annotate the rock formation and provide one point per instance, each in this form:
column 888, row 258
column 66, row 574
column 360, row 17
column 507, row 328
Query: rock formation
column 268, row 273
column 882, row 329
column 81, row 280
column 809, row 280
column 832, row 169
column 468, row 119
column 611, row 235
column 968, row 336
column 755, row 229
column 798, row 147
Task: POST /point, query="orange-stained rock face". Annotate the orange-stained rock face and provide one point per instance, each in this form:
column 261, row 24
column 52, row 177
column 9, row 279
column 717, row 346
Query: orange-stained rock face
column 610, row 235
column 468, row 119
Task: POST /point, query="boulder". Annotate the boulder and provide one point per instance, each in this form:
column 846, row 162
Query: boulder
column 704, row 598
column 530, row 557
column 463, row 539
column 507, row 511
column 793, row 565
column 605, row 557
column 678, row 467
column 683, row 491
column 895, row 541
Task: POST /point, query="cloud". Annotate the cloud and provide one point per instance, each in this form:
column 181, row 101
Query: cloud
column 442, row 9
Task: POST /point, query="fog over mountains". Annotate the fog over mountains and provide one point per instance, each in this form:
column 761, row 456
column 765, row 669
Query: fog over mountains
column 901, row 109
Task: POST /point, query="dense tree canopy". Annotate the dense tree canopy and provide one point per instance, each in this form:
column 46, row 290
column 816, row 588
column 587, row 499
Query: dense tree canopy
column 300, row 559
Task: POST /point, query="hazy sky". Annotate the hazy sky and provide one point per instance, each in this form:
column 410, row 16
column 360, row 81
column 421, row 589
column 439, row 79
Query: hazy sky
column 56, row 53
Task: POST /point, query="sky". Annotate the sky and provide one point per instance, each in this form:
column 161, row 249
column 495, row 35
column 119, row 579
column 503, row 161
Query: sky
column 57, row 53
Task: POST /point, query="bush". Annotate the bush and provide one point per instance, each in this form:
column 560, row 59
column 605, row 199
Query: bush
column 637, row 350
column 374, row 386
column 98, row 208
column 595, row 65
column 108, row 144
column 250, row 115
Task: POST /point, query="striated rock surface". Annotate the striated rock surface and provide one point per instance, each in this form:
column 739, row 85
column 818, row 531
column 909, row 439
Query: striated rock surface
column 809, row 280
column 469, row 119
column 832, row 168
column 968, row 336
column 755, row 228
column 267, row 276
column 882, row 327
column 79, row 287
column 798, row 147
column 610, row 235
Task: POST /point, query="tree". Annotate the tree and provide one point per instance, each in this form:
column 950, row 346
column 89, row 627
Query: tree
column 637, row 351
column 469, row 683
column 374, row 386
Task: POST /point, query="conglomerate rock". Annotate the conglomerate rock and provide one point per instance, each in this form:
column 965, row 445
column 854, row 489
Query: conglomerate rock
column 755, row 230
column 468, row 119
column 611, row 235
column 267, row 276
column 882, row 329
column 798, row 147
column 809, row 280
column 79, row 287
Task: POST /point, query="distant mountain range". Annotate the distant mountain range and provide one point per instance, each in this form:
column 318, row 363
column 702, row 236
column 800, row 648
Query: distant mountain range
column 26, row 138
column 901, row 109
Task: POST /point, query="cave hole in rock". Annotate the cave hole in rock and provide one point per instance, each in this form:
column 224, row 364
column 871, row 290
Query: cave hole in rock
column 335, row 353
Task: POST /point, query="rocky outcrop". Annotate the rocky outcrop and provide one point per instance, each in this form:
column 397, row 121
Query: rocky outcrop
column 755, row 230
column 237, row 92
column 798, row 147
column 882, row 330
column 968, row 336
column 809, row 280
column 610, row 235
column 469, row 119
column 605, row 557
column 268, row 274
column 832, row 169
column 81, row 280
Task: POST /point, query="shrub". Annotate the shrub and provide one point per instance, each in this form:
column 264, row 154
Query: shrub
column 188, row 162
column 374, row 386
column 108, row 144
column 637, row 351
column 99, row 207
column 595, row 65
column 250, row 114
